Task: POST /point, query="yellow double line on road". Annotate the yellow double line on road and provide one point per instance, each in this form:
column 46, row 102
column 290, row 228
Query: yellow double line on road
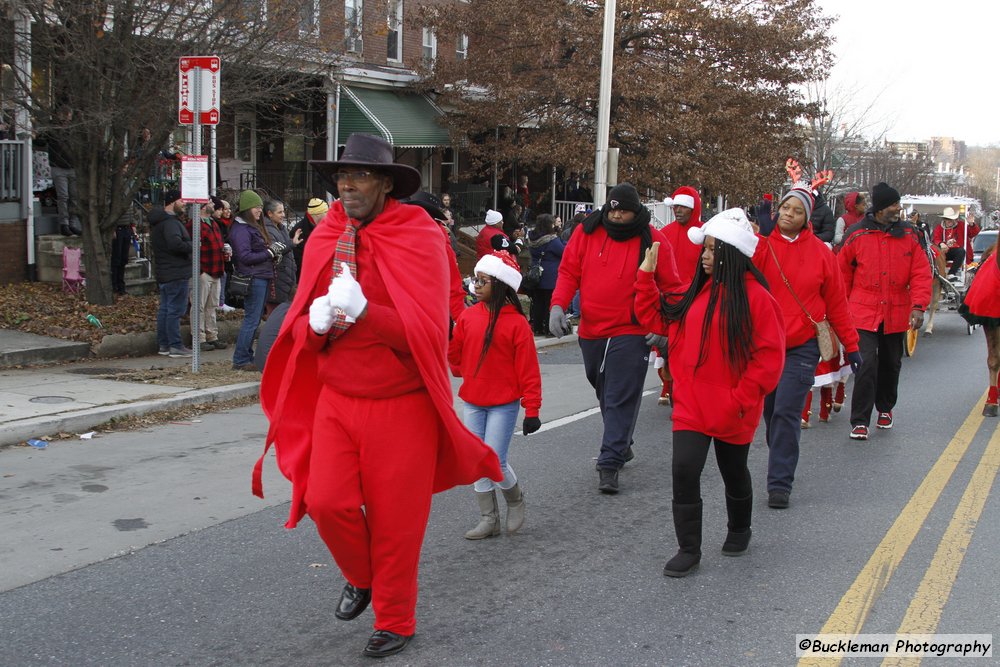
column 924, row 612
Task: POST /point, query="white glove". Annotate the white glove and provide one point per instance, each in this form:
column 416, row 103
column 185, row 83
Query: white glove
column 345, row 293
column 322, row 315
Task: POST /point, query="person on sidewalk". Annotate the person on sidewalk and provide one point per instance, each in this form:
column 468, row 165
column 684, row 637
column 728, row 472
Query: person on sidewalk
column 56, row 140
column 212, row 257
column 546, row 250
column 285, row 282
column 887, row 278
column 494, row 353
column 254, row 253
column 121, row 245
column 357, row 393
column 727, row 348
column 600, row 261
column 171, row 245
column 492, row 237
column 315, row 211
column 806, row 282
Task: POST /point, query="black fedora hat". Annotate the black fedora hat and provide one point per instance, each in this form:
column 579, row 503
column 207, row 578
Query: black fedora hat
column 428, row 202
column 366, row 150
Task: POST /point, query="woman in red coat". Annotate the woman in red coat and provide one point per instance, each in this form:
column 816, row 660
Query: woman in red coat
column 982, row 306
column 808, row 285
column 727, row 347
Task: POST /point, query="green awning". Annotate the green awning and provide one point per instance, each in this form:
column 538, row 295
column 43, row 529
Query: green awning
column 404, row 119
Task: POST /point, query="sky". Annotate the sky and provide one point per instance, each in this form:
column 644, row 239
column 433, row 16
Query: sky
column 931, row 68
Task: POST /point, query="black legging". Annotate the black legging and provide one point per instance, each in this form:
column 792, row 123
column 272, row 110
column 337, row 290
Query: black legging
column 690, row 454
column 539, row 311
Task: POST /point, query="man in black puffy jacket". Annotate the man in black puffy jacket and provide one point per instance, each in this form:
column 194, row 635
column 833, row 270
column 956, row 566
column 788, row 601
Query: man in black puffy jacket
column 171, row 245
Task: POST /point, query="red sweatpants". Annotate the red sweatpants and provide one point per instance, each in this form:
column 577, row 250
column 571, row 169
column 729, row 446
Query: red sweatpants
column 380, row 454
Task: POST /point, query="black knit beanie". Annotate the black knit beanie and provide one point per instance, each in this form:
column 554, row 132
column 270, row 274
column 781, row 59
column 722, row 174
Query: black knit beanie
column 624, row 196
column 883, row 196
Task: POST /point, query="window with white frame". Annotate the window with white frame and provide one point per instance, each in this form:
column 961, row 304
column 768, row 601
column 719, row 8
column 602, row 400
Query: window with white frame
column 394, row 39
column 353, row 12
column 309, row 18
column 462, row 47
column 430, row 46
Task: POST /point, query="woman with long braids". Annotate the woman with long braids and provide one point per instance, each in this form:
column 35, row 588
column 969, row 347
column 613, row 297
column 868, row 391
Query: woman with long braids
column 727, row 348
column 493, row 350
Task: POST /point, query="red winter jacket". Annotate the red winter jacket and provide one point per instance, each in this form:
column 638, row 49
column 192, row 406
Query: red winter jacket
column 604, row 271
column 483, row 245
column 687, row 255
column 509, row 371
column 811, row 268
column 957, row 235
column 886, row 275
column 711, row 398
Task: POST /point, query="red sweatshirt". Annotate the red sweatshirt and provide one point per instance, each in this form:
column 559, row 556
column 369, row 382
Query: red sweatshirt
column 483, row 241
column 711, row 398
column 686, row 254
column 509, row 371
column 604, row 272
column 811, row 268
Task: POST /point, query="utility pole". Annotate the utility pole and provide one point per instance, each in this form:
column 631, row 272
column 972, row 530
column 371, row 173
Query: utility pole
column 604, row 104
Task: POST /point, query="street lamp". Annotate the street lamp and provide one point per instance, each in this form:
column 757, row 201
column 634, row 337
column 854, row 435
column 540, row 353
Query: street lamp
column 604, row 104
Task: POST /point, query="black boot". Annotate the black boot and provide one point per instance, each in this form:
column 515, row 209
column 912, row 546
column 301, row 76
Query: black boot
column 687, row 525
column 738, row 538
column 65, row 230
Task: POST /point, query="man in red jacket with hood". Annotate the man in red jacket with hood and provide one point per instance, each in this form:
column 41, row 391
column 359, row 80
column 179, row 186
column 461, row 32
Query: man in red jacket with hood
column 888, row 282
column 601, row 260
column 357, row 391
column 687, row 215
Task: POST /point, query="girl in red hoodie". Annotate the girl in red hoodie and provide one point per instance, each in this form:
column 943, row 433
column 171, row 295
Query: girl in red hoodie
column 493, row 349
column 727, row 348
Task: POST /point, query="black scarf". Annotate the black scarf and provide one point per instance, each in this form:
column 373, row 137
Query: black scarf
column 638, row 227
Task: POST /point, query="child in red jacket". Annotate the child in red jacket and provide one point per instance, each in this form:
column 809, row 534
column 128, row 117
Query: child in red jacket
column 727, row 349
column 493, row 349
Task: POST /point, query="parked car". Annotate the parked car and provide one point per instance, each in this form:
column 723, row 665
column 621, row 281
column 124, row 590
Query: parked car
column 982, row 241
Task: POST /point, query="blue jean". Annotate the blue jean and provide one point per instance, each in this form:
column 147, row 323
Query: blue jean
column 783, row 414
column 173, row 303
column 495, row 426
column 253, row 309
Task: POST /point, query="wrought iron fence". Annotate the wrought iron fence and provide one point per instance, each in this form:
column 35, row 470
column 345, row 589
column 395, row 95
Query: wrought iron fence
column 11, row 166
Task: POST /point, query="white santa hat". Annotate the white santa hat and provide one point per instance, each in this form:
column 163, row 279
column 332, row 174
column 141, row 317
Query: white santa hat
column 501, row 266
column 493, row 217
column 731, row 226
column 683, row 200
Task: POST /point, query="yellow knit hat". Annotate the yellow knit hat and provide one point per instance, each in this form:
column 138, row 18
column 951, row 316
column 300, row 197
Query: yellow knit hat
column 317, row 208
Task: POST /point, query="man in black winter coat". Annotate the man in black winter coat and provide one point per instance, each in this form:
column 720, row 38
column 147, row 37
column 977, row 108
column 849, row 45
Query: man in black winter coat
column 171, row 246
column 824, row 224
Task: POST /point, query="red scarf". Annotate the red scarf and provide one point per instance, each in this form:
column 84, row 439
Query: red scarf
column 413, row 264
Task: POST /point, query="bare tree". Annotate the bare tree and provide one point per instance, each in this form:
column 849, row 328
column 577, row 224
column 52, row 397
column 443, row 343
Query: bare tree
column 704, row 92
column 114, row 63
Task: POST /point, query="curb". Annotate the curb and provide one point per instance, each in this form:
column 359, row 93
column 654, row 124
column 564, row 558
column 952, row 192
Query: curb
column 89, row 418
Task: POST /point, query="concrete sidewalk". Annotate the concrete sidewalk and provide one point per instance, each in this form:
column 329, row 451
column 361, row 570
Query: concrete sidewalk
column 45, row 400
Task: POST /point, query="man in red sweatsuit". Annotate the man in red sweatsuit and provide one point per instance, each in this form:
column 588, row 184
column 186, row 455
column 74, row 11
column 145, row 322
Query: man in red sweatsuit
column 888, row 282
column 601, row 260
column 357, row 392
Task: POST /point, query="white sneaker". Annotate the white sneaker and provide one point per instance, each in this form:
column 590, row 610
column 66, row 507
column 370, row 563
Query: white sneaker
column 226, row 308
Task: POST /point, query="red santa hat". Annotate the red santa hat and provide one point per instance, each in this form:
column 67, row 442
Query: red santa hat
column 502, row 266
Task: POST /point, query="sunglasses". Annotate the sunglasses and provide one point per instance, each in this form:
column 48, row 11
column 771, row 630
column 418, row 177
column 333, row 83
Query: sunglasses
column 360, row 176
column 481, row 282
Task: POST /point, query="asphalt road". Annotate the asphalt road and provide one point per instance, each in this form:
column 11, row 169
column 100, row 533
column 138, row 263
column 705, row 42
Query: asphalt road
column 174, row 563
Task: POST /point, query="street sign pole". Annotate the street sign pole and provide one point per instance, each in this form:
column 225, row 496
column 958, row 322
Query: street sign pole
column 194, row 213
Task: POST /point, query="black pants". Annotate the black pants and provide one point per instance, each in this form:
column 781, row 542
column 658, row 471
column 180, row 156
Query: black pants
column 690, row 454
column 120, row 245
column 540, row 300
column 616, row 368
column 957, row 258
column 877, row 380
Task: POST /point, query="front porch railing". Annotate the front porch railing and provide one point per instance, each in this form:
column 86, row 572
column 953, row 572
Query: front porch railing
column 11, row 170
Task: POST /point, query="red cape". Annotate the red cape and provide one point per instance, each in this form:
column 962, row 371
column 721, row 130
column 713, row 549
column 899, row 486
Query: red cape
column 413, row 264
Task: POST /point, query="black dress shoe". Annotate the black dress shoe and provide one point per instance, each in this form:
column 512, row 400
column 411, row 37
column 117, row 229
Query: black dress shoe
column 777, row 499
column 629, row 454
column 609, row 480
column 383, row 643
column 353, row 601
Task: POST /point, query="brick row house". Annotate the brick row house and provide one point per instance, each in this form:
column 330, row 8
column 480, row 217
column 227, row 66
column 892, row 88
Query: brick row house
column 370, row 53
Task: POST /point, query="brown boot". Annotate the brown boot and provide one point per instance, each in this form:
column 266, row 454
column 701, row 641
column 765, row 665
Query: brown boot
column 489, row 522
column 515, row 508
